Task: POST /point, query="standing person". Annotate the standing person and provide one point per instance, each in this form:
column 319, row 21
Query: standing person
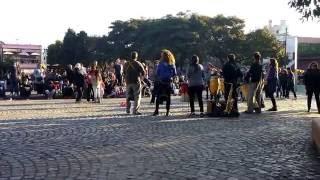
column 91, row 78
column 69, row 73
column 312, row 83
column 14, row 80
column 165, row 72
column 118, row 69
column 96, row 81
column 155, row 81
column 79, row 82
column 283, row 82
column 195, row 75
column 133, row 73
column 254, row 78
column 290, row 83
column 231, row 74
column 208, row 74
column 272, row 79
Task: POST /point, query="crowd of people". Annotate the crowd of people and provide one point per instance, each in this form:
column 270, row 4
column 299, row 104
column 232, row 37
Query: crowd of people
column 132, row 79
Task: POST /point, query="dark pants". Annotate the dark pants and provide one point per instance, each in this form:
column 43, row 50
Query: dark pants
column 192, row 91
column 283, row 89
column 273, row 100
column 90, row 93
column 227, row 88
column 154, row 92
column 119, row 79
column 290, row 87
column 163, row 94
column 79, row 90
column 310, row 94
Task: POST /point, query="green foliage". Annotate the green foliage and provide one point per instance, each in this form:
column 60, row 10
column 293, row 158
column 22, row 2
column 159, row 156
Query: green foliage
column 184, row 34
column 307, row 8
column 266, row 43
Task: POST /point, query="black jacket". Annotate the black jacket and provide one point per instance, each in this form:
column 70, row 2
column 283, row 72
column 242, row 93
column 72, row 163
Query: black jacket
column 255, row 73
column 312, row 79
column 231, row 72
column 78, row 78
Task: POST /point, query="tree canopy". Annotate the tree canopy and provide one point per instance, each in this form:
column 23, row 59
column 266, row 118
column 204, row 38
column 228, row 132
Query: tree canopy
column 184, row 34
column 307, row 8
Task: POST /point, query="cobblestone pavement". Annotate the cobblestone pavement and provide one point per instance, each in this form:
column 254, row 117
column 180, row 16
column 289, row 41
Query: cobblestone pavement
column 59, row 139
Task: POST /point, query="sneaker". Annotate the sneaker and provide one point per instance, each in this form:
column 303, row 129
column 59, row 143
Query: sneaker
column 156, row 113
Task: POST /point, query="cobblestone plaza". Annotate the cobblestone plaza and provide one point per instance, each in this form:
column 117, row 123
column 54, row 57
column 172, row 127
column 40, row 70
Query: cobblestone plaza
column 58, row 139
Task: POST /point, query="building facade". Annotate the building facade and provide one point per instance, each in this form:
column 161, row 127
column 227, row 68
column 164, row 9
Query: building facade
column 28, row 56
column 300, row 51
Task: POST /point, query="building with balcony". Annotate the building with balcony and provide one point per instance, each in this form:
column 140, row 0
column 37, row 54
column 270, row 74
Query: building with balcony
column 28, row 56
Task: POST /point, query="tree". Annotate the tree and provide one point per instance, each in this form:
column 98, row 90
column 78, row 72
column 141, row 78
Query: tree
column 263, row 41
column 184, row 34
column 69, row 47
column 55, row 53
column 307, row 8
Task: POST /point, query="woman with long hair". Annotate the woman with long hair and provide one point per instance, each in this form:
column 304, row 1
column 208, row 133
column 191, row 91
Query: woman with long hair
column 196, row 83
column 165, row 72
column 272, row 79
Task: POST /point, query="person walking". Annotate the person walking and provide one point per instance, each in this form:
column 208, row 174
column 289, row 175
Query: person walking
column 165, row 72
column 312, row 85
column 133, row 73
column 195, row 75
column 272, row 80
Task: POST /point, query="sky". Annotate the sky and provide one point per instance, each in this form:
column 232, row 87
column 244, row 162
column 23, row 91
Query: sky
column 45, row 21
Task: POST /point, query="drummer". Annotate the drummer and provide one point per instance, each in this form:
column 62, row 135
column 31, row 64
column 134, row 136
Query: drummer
column 231, row 74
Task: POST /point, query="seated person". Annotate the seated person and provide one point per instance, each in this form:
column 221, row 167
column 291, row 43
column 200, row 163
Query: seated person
column 110, row 84
column 50, row 90
column 67, row 89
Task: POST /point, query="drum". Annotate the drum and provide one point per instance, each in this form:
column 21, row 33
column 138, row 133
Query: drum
column 214, row 85
column 244, row 88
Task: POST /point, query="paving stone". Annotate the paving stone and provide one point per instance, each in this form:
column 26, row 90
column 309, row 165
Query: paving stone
column 59, row 139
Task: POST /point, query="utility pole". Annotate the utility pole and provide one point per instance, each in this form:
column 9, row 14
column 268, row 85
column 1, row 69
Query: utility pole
column 285, row 47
